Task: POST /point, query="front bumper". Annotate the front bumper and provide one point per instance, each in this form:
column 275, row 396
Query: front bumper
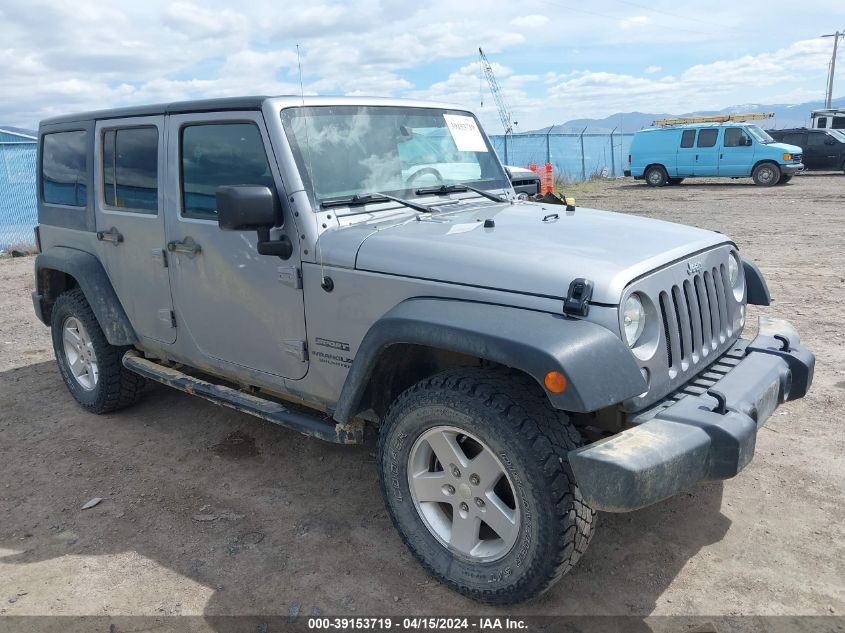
column 790, row 169
column 706, row 433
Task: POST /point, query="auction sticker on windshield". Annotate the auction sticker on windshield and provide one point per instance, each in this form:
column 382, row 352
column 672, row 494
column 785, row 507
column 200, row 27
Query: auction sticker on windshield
column 465, row 133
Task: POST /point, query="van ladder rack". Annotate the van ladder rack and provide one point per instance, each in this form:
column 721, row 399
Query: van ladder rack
column 719, row 118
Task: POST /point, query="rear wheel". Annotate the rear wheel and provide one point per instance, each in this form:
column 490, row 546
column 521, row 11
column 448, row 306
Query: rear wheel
column 475, row 474
column 766, row 174
column 656, row 176
column 90, row 366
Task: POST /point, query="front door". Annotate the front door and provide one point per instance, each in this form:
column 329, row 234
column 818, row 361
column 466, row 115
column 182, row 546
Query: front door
column 240, row 309
column 736, row 156
column 707, row 152
column 130, row 162
column 685, row 163
column 821, row 151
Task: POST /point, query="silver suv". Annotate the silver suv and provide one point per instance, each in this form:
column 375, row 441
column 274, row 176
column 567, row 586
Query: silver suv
column 354, row 266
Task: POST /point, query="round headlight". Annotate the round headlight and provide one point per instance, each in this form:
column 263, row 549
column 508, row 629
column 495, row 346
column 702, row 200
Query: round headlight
column 633, row 319
column 733, row 269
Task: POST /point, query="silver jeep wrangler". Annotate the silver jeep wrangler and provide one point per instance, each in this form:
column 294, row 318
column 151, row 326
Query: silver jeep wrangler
column 345, row 266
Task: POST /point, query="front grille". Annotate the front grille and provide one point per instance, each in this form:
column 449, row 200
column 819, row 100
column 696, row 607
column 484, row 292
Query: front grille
column 797, row 158
column 695, row 317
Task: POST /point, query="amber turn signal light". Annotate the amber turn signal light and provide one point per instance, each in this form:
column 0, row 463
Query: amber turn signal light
column 555, row 382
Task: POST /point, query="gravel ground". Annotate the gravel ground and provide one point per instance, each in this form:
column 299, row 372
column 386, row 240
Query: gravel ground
column 210, row 512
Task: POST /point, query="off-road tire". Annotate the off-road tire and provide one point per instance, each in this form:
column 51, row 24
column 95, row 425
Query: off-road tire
column 766, row 174
column 509, row 413
column 656, row 176
column 116, row 387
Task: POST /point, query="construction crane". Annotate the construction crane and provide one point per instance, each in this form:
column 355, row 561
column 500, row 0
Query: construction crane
column 501, row 104
column 719, row 118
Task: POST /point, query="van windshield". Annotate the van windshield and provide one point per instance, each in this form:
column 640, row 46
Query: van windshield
column 344, row 151
column 760, row 134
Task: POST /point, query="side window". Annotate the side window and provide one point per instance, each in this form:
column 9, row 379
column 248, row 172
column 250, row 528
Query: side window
column 816, row 140
column 220, row 154
column 838, row 123
column 793, row 139
column 130, row 169
column 707, row 137
column 688, row 138
column 821, row 121
column 736, row 137
column 64, row 168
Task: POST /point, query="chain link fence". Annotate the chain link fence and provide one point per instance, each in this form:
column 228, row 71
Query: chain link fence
column 18, row 213
column 575, row 157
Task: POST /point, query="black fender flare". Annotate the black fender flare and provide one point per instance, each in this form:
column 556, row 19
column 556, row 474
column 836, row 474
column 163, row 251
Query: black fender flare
column 755, row 284
column 89, row 273
column 599, row 367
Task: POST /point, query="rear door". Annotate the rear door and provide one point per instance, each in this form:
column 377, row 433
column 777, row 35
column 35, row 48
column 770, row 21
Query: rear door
column 707, row 152
column 736, row 156
column 130, row 162
column 239, row 308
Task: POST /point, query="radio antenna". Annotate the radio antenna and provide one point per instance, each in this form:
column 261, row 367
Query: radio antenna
column 318, row 250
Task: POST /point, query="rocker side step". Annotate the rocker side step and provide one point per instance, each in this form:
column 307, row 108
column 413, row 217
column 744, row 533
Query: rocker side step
column 270, row 410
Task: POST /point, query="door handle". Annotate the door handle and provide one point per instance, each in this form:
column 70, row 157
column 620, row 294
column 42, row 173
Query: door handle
column 187, row 247
column 112, row 235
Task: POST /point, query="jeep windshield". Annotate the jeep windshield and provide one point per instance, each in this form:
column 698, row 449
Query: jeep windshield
column 348, row 152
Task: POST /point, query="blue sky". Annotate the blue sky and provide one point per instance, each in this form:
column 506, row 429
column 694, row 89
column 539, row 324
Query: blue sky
column 555, row 60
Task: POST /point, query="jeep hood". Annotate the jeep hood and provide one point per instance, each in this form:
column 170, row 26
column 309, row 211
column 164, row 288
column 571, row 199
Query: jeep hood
column 522, row 252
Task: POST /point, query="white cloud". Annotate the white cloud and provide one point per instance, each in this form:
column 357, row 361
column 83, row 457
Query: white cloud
column 635, row 21
column 530, row 21
column 653, row 69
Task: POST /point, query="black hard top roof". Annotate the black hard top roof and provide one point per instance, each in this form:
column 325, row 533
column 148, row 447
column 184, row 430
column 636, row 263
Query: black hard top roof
column 178, row 107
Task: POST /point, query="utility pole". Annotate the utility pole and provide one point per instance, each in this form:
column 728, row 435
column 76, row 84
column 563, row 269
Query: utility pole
column 829, row 100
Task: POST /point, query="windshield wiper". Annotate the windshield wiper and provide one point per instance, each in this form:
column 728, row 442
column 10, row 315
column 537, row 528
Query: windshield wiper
column 456, row 188
column 367, row 198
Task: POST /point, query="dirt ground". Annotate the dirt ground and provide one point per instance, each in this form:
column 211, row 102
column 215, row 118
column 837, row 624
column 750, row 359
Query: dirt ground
column 207, row 511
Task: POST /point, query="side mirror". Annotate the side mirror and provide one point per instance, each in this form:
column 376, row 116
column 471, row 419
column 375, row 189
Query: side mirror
column 748, row 142
column 246, row 208
column 830, row 141
column 252, row 208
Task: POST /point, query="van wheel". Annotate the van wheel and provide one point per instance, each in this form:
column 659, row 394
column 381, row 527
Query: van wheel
column 766, row 174
column 90, row 366
column 474, row 470
column 784, row 179
column 676, row 181
column 656, row 176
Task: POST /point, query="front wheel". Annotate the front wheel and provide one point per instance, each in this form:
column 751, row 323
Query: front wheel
column 475, row 474
column 784, row 179
column 676, row 181
column 766, row 175
column 656, row 176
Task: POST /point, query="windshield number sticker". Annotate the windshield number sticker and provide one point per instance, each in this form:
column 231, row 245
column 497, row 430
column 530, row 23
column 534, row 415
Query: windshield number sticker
column 465, row 133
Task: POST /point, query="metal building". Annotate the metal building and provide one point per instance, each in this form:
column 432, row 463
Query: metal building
column 18, row 215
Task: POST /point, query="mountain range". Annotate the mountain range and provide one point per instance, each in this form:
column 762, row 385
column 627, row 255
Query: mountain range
column 786, row 115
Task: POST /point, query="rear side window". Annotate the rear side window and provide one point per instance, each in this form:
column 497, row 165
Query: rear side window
column 707, row 138
column 838, row 123
column 793, row 139
column 220, row 154
column 816, row 140
column 688, row 138
column 821, row 121
column 130, row 169
column 64, row 168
